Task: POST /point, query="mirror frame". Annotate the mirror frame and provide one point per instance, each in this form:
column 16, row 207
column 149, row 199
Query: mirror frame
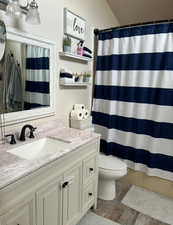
column 23, row 116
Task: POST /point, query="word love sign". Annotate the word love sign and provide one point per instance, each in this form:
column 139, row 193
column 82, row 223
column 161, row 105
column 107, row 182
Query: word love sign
column 74, row 25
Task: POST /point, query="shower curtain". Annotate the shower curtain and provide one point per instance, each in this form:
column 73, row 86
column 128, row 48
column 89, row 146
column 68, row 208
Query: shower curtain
column 133, row 97
column 37, row 93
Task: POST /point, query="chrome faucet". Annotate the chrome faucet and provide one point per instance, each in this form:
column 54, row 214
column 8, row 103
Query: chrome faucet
column 31, row 128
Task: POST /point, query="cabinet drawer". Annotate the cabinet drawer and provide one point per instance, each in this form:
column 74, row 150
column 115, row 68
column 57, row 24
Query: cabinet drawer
column 89, row 195
column 89, row 168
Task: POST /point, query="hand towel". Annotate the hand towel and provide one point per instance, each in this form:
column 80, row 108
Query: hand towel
column 87, row 50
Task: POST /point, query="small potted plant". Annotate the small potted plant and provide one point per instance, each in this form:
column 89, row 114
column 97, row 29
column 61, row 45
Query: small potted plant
column 67, row 44
column 87, row 77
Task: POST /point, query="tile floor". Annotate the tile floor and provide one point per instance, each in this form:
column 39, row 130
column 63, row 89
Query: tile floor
column 116, row 211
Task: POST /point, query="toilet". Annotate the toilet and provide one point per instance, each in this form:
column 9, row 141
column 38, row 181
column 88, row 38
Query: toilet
column 111, row 169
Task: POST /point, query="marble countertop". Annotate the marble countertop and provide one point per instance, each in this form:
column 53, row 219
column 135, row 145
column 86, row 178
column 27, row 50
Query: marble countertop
column 12, row 168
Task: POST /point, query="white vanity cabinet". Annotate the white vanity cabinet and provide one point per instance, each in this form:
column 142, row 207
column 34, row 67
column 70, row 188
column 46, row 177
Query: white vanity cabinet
column 59, row 193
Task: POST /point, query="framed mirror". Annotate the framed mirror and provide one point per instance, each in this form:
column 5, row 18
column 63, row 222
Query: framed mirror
column 27, row 74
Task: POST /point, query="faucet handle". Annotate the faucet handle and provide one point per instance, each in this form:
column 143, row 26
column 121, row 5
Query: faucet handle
column 13, row 140
column 32, row 132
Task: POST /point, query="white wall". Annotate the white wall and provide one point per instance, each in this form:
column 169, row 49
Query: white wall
column 98, row 15
column 130, row 12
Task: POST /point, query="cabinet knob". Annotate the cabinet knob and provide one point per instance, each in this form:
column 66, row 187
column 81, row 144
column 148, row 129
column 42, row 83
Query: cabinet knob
column 90, row 194
column 91, row 169
column 65, row 184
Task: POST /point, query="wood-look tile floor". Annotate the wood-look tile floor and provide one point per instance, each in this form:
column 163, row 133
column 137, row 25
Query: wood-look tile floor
column 120, row 213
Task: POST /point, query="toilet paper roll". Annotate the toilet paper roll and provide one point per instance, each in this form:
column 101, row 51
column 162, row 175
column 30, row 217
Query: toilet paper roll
column 79, row 107
column 77, row 115
column 86, row 114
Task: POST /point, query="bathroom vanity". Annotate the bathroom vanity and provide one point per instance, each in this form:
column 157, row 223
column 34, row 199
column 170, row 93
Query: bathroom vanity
column 60, row 192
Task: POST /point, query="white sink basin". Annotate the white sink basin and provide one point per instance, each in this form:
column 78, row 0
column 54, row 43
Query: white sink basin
column 40, row 148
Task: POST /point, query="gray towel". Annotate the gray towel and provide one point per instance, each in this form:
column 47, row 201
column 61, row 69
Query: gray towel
column 14, row 95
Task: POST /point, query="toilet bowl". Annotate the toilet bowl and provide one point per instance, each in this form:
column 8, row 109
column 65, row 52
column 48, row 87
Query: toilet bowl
column 111, row 169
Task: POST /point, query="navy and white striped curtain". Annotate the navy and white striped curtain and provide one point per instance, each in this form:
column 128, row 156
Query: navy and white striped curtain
column 37, row 93
column 133, row 98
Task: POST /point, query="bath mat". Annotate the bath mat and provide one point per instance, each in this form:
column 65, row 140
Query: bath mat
column 93, row 219
column 150, row 203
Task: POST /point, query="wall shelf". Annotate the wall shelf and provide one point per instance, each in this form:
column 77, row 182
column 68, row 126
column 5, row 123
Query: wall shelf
column 75, row 84
column 75, row 57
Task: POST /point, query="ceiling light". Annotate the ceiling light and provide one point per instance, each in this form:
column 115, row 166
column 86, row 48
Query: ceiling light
column 33, row 16
column 31, row 9
column 13, row 8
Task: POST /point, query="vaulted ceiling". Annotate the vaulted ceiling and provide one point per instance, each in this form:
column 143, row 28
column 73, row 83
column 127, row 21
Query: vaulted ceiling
column 137, row 11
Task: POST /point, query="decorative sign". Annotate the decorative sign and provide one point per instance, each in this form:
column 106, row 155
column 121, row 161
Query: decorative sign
column 74, row 25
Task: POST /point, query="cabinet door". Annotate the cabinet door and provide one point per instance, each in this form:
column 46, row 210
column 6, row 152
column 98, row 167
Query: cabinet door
column 49, row 203
column 72, row 191
column 22, row 214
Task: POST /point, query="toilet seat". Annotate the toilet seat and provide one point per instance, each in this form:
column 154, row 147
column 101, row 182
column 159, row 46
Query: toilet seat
column 114, row 174
column 111, row 163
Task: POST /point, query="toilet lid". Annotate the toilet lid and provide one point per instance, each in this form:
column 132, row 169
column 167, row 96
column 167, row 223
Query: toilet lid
column 111, row 163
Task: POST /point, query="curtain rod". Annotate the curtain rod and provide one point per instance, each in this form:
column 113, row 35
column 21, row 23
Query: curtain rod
column 97, row 31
